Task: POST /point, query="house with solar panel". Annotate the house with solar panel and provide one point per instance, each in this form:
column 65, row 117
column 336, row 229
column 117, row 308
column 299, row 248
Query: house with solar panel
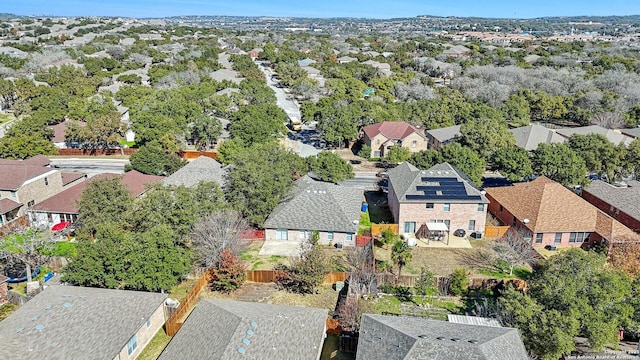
column 434, row 203
column 223, row 329
column 72, row 322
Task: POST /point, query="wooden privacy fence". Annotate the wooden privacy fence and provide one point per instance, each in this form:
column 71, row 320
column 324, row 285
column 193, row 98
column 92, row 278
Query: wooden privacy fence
column 495, row 231
column 377, row 229
column 269, row 276
column 15, row 225
column 362, row 240
column 197, row 154
column 96, row 152
column 175, row 321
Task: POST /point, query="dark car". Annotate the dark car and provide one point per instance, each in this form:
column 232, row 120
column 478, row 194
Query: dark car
column 476, row 235
column 460, row 233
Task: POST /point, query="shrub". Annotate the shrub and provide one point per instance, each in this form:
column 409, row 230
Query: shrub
column 365, row 151
column 459, row 282
column 229, row 273
column 305, row 274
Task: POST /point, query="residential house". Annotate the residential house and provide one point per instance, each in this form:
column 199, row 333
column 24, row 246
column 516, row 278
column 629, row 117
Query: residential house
column 226, row 74
column 551, row 214
column 456, row 51
column 201, row 169
column 25, row 183
column 441, row 194
column 442, row 136
column 346, row 59
column 222, row 329
column 416, row 338
column 383, row 67
column 306, row 62
column 529, row 137
column 633, row 132
column 4, row 289
column 60, row 131
column 64, row 205
column 254, row 53
column 332, row 210
column 382, row 136
column 69, row 322
column 620, row 201
column 614, row 136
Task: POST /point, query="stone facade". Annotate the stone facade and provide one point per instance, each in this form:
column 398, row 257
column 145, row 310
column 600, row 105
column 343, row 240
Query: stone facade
column 144, row 334
column 39, row 188
column 380, row 144
column 301, row 235
column 4, row 289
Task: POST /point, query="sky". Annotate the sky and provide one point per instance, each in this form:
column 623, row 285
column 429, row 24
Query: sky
column 322, row 8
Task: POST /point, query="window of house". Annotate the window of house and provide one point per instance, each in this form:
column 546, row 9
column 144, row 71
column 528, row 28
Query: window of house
column 149, row 323
column 572, row 237
column 429, row 206
column 481, row 207
column 514, row 222
column 410, row 227
column 447, row 207
column 558, row 238
column 376, row 154
column 281, row 234
column 448, row 223
column 31, row 203
column 132, row 345
column 472, row 225
column 349, row 236
column 13, row 195
column 46, row 181
column 414, row 143
column 539, row 238
column 501, row 208
column 330, row 236
column 580, row 237
column 587, row 235
column 378, row 142
column 304, row 234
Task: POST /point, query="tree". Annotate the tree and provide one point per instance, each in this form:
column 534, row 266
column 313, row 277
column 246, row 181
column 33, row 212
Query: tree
column 329, row 166
column 514, row 248
column 560, row 163
column 485, row 135
column 31, row 249
column 425, row 159
column 631, row 161
column 305, row 273
column 99, row 133
column 398, row 154
column 205, row 131
column 513, row 163
column 425, row 284
column 26, row 138
column 104, row 200
column 152, row 158
column 466, row 160
column 401, row 255
column 216, row 233
column 254, row 124
column 599, row 154
column 228, row 274
column 365, row 151
column 458, row 281
column 517, row 110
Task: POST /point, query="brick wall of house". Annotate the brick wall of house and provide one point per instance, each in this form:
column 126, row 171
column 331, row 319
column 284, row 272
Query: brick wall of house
column 623, row 217
column 145, row 334
column 421, row 142
column 39, row 189
column 296, row 235
column 3, row 292
column 393, row 203
column 459, row 215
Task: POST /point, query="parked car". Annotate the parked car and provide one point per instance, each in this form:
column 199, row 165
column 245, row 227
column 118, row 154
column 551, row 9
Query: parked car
column 460, row 233
column 384, row 185
column 476, row 235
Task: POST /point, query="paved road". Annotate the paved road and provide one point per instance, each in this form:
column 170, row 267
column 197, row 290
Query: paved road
column 5, row 126
column 289, row 106
column 90, row 166
column 363, row 180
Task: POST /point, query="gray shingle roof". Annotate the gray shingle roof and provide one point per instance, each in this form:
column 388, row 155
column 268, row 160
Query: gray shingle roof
column 216, row 330
column 633, row 132
column 612, row 135
column 445, row 134
column 409, row 338
column 529, row 137
column 316, row 205
column 625, row 199
column 200, row 169
column 408, row 183
column 97, row 324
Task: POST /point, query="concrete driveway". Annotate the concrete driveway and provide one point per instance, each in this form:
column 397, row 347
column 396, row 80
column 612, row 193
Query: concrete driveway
column 279, row 247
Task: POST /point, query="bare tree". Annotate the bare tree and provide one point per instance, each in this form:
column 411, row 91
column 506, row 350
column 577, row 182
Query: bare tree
column 348, row 314
column 216, row 232
column 608, row 120
column 31, row 249
column 360, row 262
column 515, row 248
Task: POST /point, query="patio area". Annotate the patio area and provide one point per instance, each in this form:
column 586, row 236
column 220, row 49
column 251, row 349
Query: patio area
column 280, row 248
column 454, row 242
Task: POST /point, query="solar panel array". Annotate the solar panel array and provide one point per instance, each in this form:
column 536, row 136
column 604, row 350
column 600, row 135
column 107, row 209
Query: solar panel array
column 447, row 188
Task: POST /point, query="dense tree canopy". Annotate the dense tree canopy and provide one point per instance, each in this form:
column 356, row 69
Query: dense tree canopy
column 559, row 163
column 513, row 163
column 328, row 166
column 152, row 158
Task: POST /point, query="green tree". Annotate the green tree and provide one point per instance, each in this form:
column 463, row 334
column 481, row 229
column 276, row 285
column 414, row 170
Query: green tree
column 26, row 138
column 465, row 160
column 631, row 161
column 99, row 133
column 398, row 154
column 305, row 274
column 425, row 284
column 513, row 163
column 425, row 159
column 329, row 166
column 559, row 163
column 205, row 131
column 152, row 158
column 255, row 124
column 599, row 154
column 365, row 151
column 517, row 111
column 458, row 281
column 485, row 135
column 103, row 200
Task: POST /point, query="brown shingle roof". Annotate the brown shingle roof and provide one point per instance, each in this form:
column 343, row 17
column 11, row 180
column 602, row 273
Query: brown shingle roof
column 7, row 205
column 68, row 178
column 12, row 176
column 135, row 181
column 390, row 129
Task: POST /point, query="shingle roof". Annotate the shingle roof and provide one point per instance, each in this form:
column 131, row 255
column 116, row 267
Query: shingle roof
column 409, row 338
column 612, row 135
column 136, row 181
column 68, row 178
column 3, row 279
column 633, row 132
column 445, row 134
column 529, row 137
column 217, row 329
column 7, row 205
column 391, row 129
column 441, row 183
column 201, row 169
column 316, row 205
column 97, row 324
column 551, row 207
column 626, row 199
column 14, row 173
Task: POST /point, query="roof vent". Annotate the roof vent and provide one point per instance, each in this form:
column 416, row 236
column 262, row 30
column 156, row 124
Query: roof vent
column 246, row 341
column 473, row 341
column 67, row 304
column 242, row 350
column 423, row 336
column 455, row 339
column 440, row 338
column 423, row 172
column 39, row 327
column 20, row 330
column 47, row 307
column 253, row 324
column 249, row 332
column 34, row 318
